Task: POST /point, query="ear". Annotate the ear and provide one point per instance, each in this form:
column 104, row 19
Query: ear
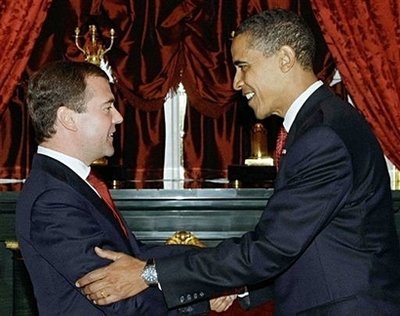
column 287, row 58
column 66, row 117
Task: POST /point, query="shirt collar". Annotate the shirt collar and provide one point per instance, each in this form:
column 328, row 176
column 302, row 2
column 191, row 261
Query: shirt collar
column 298, row 103
column 76, row 165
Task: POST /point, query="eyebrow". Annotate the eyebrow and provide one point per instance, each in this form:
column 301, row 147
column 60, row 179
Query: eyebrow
column 111, row 100
column 107, row 103
column 239, row 62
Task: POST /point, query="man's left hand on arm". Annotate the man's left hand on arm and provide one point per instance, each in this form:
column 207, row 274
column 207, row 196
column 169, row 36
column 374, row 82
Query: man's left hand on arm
column 117, row 281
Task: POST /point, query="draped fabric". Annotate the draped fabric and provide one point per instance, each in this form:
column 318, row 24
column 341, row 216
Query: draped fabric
column 158, row 44
column 20, row 25
column 364, row 39
column 211, row 142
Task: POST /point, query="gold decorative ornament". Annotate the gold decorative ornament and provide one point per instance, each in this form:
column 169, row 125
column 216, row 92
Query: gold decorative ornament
column 185, row 238
column 11, row 244
column 94, row 51
column 259, row 149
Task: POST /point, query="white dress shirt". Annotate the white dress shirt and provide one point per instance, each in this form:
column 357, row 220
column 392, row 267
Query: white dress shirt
column 76, row 165
column 298, row 103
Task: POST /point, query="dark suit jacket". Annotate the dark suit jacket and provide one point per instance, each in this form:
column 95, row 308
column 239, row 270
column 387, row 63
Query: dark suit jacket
column 327, row 236
column 59, row 221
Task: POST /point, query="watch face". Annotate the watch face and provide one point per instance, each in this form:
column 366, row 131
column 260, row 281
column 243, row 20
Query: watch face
column 149, row 275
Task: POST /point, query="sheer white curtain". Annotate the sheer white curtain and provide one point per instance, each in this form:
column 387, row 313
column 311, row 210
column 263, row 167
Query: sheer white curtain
column 174, row 111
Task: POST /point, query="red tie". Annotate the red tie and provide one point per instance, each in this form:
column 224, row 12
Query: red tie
column 102, row 189
column 280, row 144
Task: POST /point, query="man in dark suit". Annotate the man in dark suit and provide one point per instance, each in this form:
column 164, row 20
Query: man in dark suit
column 60, row 216
column 327, row 238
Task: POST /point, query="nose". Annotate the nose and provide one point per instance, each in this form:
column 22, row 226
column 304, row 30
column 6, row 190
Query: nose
column 117, row 117
column 237, row 81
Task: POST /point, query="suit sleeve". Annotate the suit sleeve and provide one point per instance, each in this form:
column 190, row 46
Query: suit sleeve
column 314, row 180
column 64, row 232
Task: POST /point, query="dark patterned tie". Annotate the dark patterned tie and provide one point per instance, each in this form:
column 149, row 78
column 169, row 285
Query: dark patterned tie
column 280, row 144
column 102, row 189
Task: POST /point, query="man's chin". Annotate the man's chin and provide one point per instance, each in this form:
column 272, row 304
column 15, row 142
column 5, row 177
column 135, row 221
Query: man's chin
column 261, row 113
column 261, row 116
column 110, row 151
column 255, row 110
column 107, row 154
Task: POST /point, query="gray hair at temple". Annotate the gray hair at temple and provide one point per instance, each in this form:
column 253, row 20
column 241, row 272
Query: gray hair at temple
column 60, row 83
column 269, row 30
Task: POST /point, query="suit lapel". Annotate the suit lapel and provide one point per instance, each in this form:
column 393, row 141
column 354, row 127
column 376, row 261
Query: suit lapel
column 307, row 114
column 65, row 174
column 61, row 172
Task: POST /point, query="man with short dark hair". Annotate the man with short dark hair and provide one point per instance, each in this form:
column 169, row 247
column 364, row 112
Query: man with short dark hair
column 64, row 211
column 327, row 239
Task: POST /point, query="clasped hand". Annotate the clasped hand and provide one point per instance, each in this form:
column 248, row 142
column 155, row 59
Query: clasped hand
column 122, row 279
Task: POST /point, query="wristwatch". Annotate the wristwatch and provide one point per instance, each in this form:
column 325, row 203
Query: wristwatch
column 149, row 273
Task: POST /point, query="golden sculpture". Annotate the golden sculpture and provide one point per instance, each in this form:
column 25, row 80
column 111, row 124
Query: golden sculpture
column 259, row 149
column 185, row 238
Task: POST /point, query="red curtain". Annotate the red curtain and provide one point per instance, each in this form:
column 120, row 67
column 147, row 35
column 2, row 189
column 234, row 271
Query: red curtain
column 218, row 122
column 364, row 39
column 20, row 25
column 158, row 44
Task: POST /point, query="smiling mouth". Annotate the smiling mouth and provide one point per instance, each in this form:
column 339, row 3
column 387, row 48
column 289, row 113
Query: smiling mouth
column 249, row 95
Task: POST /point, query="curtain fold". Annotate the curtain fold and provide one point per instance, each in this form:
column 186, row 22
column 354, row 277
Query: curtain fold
column 364, row 39
column 158, row 44
column 20, row 24
column 218, row 120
